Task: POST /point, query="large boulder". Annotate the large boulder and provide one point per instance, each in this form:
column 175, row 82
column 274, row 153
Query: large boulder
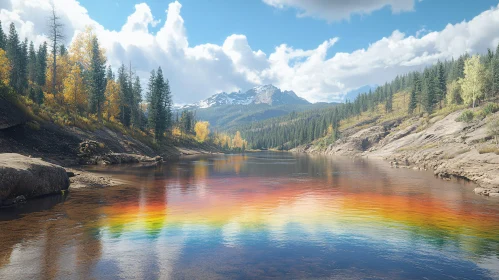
column 29, row 177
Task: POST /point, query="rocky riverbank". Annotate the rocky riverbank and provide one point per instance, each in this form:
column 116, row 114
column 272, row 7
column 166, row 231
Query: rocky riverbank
column 451, row 149
column 31, row 149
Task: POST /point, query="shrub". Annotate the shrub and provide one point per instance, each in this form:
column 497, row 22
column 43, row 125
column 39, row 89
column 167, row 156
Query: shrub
column 466, row 116
column 488, row 109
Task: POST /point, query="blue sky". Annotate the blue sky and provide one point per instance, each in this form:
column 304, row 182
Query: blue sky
column 320, row 49
column 267, row 27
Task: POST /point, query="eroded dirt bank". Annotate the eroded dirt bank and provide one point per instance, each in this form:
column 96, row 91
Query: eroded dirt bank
column 442, row 144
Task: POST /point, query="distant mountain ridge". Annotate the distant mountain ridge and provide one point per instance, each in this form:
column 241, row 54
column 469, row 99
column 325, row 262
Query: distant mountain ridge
column 266, row 94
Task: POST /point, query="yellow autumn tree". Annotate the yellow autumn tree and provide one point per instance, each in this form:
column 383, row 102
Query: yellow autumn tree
column 223, row 140
column 238, row 141
column 202, row 130
column 74, row 91
column 473, row 83
column 81, row 48
column 112, row 103
column 63, row 68
column 4, row 68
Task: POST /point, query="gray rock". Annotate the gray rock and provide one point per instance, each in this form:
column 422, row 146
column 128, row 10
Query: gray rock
column 494, row 194
column 479, row 190
column 29, row 177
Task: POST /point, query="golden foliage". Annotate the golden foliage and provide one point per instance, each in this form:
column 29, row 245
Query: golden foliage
column 63, row 68
column 238, row 141
column 74, row 90
column 176, row 131
column 473, row 84
column 202, row 130
column 112, row 103
column 4, row 68
column 81, row 48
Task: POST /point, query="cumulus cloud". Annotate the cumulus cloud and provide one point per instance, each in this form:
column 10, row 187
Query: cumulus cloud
column 196, row 72
column 333, row 10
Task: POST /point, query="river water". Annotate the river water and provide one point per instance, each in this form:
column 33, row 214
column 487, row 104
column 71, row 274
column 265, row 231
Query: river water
column 256, row 216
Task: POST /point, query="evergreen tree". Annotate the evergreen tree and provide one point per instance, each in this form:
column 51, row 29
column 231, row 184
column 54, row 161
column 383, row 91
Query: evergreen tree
column 32, row 63
column 168, row 104
column 97, row 80
column 441, row 84
column 13, row 54
column 137, row 99
column 41, row 64
column 124, row 96
column 389, row 101
column 186, row 121
column 22, row 82
column 416, row 90
column 62, row 50
column 158, row 113
column 429, row 90
column 495, row 73
column 109, row 73
column 151, row 100
column 3, row 38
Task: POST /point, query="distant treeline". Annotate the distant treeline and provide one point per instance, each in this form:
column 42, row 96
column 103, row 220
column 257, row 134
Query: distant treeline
column 466, row 80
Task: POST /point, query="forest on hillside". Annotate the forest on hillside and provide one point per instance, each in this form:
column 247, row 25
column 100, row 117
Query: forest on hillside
column 447, row 85
column 74, row 86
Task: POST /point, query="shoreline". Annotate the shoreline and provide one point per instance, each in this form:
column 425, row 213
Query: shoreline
column 448, row 148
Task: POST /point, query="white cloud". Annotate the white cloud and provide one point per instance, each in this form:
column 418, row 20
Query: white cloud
column 196, row 72
column 333, row 10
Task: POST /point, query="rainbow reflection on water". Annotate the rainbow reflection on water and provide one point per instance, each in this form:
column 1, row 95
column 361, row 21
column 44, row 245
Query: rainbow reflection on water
column 279, row 215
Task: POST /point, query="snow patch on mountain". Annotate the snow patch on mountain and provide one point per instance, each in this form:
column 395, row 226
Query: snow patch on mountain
column 266, row 94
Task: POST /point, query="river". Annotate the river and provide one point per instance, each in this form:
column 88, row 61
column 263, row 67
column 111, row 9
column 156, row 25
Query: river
column 256, row 216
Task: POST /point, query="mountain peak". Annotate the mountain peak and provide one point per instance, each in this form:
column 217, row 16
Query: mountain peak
column 263, row 94
column 265, row 88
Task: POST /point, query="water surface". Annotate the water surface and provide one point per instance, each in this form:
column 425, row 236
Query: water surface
column 257, row 216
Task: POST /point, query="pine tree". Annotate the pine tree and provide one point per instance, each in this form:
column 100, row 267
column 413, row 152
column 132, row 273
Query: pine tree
column 137, row 99
column 125, row 96
column 62, row 50
column 168, row 104
column 441, row 83
column 157, row 95
column 109, row 74
column 22, row 82
column 389, row 102
column 3, row 38
column 416, row 90
column 429, row 90
column 495, row 73
column 41, row 64
column 97, row 80
column 32, row 63
column 151, row 100
column 13, row 54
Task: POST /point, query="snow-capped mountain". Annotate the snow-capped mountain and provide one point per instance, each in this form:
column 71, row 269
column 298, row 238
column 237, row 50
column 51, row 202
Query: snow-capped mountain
column 267, row 94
